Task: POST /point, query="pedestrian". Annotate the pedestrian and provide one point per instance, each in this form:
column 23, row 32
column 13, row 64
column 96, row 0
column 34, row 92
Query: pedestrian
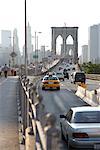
column 12, row 72
column 5, row 70
column 0, row 71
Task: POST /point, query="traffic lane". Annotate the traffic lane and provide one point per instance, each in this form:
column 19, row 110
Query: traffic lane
column 91, row 85
column 58, row 102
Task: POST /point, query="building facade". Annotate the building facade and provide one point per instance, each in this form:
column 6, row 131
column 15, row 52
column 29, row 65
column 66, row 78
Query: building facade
column 94, row 44
column 16, row 47
column 5, row 47
column 84, row 53
column 6, row 38
column 29, row 44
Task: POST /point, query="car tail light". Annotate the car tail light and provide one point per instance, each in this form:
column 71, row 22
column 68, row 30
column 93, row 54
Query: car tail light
column 80, row 135
column 55, row 82
column 45, row 82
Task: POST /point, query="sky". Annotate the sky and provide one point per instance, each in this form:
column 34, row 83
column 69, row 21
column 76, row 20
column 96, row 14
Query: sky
column 44, row 14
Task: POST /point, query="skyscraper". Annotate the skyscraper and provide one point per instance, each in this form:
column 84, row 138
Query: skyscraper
column 5, row 38
column 94, row 44
column 29, row 43
column 84, row 53
column 16, row 47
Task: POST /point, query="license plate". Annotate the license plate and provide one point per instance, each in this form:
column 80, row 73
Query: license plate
column 97, row 146
column 50, row 82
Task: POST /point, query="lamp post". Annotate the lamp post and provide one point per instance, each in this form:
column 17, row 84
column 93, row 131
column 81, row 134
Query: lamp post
column 25, row 42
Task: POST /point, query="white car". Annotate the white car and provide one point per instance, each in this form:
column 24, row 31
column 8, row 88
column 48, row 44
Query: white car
column 60, row 75
column 80, row 127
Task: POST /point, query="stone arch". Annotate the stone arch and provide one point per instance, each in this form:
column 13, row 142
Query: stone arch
column 65, row 32
column 59, row 41
column 69, row 40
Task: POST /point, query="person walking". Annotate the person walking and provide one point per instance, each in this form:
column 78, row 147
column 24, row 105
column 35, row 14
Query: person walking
column 0, row 71
column 5, row 70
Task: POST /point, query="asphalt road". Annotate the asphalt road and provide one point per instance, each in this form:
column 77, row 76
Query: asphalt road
column 59, row 102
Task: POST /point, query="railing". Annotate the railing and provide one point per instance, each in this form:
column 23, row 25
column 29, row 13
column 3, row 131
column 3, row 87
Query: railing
column 38, row 127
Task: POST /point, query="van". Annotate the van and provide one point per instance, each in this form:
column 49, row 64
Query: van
column 78, row 77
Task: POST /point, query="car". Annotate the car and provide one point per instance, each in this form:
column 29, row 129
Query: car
column 50, row 82
column 60, row 75
column 78, row 77
column 80, row 127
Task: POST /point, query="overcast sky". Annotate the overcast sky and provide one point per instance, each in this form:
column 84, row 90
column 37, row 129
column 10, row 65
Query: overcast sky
column 44, row 14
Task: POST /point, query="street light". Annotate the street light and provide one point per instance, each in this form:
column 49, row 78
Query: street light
column 25, row 42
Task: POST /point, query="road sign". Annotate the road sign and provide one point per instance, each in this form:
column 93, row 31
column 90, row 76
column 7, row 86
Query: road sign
column 35, row 56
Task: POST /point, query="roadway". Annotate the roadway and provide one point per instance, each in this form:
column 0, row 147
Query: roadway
column 59, row 102
column 9, row 138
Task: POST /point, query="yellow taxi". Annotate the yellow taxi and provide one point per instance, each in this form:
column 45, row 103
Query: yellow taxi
column 50, row 82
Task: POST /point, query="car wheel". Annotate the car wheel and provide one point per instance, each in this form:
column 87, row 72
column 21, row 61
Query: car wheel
column 74, row 82
column 62, row 135
column 70, row 147
column 58, row 88
column 43, row 88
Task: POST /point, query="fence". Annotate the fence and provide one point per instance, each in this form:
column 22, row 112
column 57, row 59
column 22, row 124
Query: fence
column 38, row 127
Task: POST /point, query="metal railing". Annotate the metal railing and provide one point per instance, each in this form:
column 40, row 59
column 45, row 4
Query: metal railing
column 38, row 127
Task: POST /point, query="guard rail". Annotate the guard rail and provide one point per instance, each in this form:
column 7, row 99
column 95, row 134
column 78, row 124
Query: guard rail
column 38, row 127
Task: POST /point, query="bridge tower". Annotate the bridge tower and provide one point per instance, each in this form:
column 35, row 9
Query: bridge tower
column 64, row 32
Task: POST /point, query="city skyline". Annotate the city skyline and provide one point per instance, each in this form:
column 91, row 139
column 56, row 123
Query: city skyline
column 42, row 15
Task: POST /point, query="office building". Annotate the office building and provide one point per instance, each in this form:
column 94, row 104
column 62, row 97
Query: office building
column 16, row 47
column 5, row 47
column 6, row 38
column 29, row 44
column 84, row 53
column 94, row 44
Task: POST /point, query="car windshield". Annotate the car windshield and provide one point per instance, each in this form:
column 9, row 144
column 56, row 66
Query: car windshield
column 50, row 78
column 87, row 117
column 78, row 75
column 59, row 73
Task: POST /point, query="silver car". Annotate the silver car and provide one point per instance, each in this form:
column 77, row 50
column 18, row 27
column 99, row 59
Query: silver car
column 60, row 75
column 80, row 127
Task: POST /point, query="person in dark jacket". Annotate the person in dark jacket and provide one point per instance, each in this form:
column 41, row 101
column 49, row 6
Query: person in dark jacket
column 5, row 70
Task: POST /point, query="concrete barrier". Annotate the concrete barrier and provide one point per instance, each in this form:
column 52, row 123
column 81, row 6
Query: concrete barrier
column 90, row 97
column 81, row 92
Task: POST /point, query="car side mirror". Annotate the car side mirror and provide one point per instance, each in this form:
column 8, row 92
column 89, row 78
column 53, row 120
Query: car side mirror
column 62, row 116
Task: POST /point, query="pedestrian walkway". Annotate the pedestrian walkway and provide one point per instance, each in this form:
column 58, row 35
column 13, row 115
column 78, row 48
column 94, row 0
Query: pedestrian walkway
column 9, row 137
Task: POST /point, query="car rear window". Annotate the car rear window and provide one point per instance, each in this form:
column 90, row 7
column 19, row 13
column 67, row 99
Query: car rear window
column 80, row 75
column 50, row 78
column 59, row 73
column 87, row 117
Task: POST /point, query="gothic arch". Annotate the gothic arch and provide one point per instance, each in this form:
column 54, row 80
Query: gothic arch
column 65, row 32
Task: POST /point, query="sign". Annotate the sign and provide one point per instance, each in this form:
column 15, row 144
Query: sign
column 35, row 56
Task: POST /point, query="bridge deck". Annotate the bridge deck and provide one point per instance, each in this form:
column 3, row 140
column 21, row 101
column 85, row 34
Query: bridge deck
column 8, row 114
